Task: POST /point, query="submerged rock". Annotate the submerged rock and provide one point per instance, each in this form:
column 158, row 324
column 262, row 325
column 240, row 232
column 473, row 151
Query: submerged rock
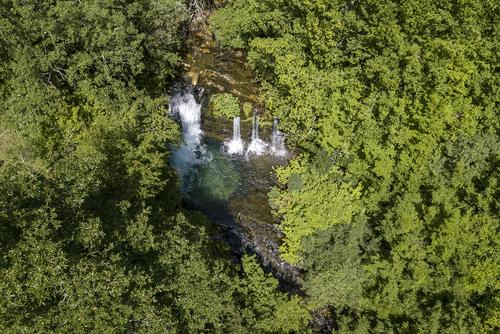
column 252, row 207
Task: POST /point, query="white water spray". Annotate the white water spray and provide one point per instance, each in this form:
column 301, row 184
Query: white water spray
column 257, row 146
column 278, row 141
column 191, row 152
column 236, row 145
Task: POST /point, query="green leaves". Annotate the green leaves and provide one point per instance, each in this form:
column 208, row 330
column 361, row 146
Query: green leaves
column 225, row 105
column 238, row 23
column 394, row 106
column 92, row 234
column 273, row 312
column 319, row 203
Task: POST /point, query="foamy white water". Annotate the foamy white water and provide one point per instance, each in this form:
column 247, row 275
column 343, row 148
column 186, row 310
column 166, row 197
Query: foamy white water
column 277, row 141
column 236, row 145
column 191, row 152
column 257, row 146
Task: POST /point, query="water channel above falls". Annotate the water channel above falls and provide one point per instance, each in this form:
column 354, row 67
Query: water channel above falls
column 231, row 189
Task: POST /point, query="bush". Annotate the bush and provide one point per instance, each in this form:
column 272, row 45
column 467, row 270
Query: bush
column 226, row 105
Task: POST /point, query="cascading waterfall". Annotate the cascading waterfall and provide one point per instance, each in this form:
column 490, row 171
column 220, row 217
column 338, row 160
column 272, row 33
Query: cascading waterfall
column 257, row 146
column 277, row 141
column 191, row 152
column 236, row 145
column 229, row 188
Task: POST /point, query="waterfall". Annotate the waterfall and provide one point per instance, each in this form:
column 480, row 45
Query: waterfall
column 255, row 127
column 191, row 152
column 257, row 146
column 235, row 146
column 277, row 141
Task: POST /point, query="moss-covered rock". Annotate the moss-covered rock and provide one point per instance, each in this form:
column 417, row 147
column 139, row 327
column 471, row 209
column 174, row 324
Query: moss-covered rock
column 247, row 109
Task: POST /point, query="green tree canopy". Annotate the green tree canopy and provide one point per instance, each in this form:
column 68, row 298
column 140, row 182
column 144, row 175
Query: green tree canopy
column 93, row 237
column 226, row 105
column 393, row 209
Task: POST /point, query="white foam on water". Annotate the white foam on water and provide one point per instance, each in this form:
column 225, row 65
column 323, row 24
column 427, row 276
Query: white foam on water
column 192, row 151
column 277, row 141
column 257, row 146
column 235, row 145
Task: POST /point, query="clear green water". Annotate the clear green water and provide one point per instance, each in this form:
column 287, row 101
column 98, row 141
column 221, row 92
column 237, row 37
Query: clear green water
column 216, row 180
column 230, row 184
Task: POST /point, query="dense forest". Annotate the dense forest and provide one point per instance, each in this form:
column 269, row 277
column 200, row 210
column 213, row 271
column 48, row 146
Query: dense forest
column 389, row 208
column 93, row 237
column 392, row 209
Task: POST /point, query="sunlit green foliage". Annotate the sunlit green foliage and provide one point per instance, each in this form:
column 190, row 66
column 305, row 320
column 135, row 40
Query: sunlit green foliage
column 393, row 210
column 226, row 105
column 305, row 207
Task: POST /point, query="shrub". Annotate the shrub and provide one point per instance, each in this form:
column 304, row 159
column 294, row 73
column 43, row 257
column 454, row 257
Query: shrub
column 226, row 105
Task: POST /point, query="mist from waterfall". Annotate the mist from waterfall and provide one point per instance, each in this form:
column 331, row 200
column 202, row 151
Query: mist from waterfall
column 257, row 146
column 236, row 145
column 191, row 152
column 277, row 141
